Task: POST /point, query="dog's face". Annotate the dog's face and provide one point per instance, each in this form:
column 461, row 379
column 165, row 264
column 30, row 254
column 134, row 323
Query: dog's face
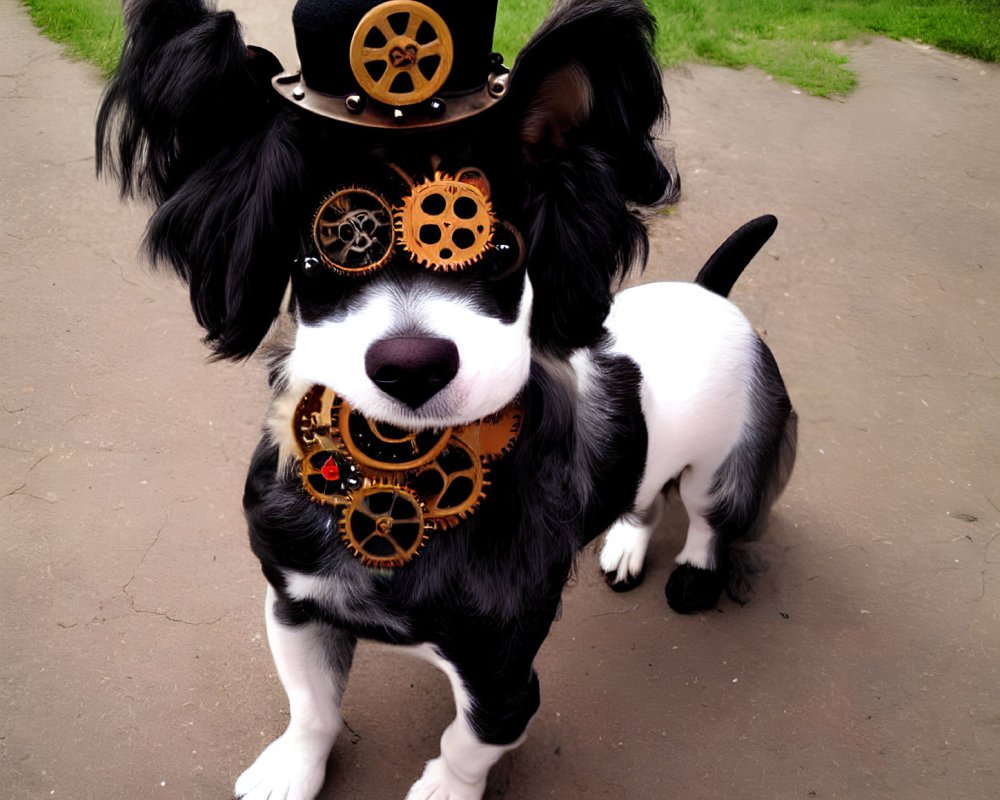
column 410, row 345
column 411, row 297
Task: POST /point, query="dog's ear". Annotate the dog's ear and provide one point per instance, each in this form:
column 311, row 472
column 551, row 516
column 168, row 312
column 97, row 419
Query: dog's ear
column 191, row 122
column 588, row 96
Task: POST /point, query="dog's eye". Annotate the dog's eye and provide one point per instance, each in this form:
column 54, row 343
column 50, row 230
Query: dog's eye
column 506, row 253
column 310, row 266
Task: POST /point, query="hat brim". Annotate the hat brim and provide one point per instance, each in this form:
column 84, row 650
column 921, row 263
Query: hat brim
column 367, row 113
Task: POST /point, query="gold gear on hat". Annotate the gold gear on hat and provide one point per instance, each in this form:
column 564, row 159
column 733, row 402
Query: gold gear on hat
column 445, row 224
column 401, row 52
column 383, row 526
column 353, row 231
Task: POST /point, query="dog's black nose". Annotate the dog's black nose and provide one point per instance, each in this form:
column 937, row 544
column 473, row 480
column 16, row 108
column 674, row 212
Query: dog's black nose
column 412, row 368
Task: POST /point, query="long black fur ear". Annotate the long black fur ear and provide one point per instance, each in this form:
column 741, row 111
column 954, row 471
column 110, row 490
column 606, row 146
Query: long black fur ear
column 190, row 121
column 589, row 94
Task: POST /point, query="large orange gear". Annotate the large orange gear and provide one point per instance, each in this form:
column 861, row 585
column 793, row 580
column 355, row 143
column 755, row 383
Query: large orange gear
column 493, row 436
column 446, row 223
column 386, row 448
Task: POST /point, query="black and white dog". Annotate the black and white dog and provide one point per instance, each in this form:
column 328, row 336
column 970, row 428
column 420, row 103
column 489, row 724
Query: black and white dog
column 460, row 401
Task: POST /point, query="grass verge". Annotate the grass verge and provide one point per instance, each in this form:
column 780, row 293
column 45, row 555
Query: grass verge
column 790, row 39
column 90, row 29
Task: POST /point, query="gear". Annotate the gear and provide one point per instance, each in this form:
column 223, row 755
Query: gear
column 386, row 448
column 493, row 436
column 314, row 424
column 389, row 487
column 329, row 477
column 446, row 224
column 383, row 526
column 401, row 52
column 451, row 486
column 353, row 231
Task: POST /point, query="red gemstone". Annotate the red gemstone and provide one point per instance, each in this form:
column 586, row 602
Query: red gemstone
column 330, row 470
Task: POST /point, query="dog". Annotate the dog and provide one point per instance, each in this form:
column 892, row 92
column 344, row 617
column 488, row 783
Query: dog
column 425, row 246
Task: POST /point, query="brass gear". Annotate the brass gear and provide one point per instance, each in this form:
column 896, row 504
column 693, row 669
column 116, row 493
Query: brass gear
column 329, row 478
column 386, row 448
column 401, row 52
column 445, row 223
column 354, row 231
column 451, row 486
column 314, row 424
column 383, row 526
column 493, row 436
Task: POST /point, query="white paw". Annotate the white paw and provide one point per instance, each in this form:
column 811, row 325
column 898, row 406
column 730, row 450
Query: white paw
column 292, row 767
column 624, row 550
column 439, row 782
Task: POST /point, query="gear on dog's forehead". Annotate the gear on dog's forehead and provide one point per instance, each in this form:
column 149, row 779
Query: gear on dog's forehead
column 354, row 231
column 395, row 64
column 444, row 222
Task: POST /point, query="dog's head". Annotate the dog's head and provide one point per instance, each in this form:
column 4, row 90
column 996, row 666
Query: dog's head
column 426, row 261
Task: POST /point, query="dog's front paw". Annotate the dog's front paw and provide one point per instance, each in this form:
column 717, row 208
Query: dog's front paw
column 623, row 555
column 439, row 782
column 292, row 767
column 690, row 589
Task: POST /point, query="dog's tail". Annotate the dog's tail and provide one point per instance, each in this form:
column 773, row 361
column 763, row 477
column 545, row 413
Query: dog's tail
column 728, row 262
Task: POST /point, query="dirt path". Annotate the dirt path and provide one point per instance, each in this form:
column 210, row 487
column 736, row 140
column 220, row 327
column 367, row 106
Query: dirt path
column 132, row 659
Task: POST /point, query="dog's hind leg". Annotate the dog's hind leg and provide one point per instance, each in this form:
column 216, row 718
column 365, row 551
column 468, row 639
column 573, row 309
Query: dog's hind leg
column 312, row 661
column 728, row 503
column 623, row 553
column 700, row 575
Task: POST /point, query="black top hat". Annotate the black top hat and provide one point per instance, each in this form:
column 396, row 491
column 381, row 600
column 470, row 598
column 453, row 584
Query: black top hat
column 397, row 63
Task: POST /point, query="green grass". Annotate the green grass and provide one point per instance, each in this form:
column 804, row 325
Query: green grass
column 90, row 29
column 790, row 39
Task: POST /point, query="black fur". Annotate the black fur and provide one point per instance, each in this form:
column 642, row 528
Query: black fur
column 581, row 181
column 504, row 567
column 190, row 121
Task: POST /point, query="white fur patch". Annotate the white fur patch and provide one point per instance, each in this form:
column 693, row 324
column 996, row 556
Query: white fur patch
column 348, row 595
column 695, row 351
column 494, row 357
